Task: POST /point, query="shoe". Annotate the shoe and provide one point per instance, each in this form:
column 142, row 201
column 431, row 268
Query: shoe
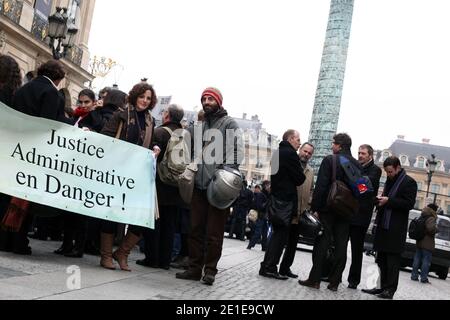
column 75, row 253
column 372, row 291
column 275, row 275
column 353, row 286
column 386, row 294
column 208, row 279
column 180, row 263
column 23, row 251
column 122, row 253
column 189, row 275
column 63, row 250
column 308, row 283
column 415, row 279
column 289, row 274
column 146, row 263
column 333, row 287
column 425, row 282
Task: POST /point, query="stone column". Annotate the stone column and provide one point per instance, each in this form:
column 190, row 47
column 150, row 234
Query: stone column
column 327, row 106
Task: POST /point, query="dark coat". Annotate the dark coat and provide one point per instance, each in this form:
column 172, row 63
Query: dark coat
column 429, row 242
column 325, row 180
column 40, row 98
column 367, row 201
column 6, row 97
column 167, row 195
column 98, row 118
column 289, row 176
column 131, row 131
column 394, row 239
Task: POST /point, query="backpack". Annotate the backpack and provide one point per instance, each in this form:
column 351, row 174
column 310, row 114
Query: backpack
column 176, row 158
column 417, row 228
column 358, row 183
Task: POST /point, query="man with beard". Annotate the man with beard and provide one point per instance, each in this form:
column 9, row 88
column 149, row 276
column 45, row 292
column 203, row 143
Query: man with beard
column 399, row 197
column 360, row 222
column 304, row 197
column 207, row 221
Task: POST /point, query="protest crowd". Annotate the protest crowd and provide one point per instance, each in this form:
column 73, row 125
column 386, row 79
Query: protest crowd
column 199, row 199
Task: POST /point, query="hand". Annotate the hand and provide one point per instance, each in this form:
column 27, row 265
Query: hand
column 316, row 214
column 156, row 151
column 85, row 129
column 99, row 103
column 382, row 201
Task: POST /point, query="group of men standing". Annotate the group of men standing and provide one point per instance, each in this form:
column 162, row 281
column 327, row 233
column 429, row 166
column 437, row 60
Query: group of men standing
column 293, row 183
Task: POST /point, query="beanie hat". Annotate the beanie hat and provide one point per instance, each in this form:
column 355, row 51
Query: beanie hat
column 215, row 93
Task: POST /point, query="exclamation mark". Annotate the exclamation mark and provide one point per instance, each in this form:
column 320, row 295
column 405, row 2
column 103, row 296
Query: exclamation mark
column 123, row 201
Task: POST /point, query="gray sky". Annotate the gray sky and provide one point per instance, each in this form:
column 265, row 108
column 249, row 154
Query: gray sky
column 265, row 58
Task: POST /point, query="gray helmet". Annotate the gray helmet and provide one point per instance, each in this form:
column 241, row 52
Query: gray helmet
column 224, row 188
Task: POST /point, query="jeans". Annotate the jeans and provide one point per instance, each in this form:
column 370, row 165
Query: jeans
column 422, row 260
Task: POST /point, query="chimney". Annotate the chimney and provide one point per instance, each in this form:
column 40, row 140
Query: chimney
column 401, row 137
column 426, row 141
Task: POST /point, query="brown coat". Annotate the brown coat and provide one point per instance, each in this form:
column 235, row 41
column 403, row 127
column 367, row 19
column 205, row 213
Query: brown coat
column 428, row 243
column 130, row 131
column 304, row 193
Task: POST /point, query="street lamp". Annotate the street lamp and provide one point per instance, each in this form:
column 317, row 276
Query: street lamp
column 60, row 33
column 431, row 164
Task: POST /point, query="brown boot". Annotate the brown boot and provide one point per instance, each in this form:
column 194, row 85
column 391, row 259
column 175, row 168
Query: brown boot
column 106, row 247
column 121, row 254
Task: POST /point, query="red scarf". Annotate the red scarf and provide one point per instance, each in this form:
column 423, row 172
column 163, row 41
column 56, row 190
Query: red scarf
column 81, row 112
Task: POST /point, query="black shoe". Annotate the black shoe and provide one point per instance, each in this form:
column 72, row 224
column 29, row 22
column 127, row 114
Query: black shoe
column 372, row 291
column 189, row 275
column 333, row 287
column 23, row 251
column 75, row 253
column 353, row 286
column 63, row 250
column 208, row 279
column 308, row 283
column 146, row 263
column 275, row 275
column 289, row 274
column 386, row 294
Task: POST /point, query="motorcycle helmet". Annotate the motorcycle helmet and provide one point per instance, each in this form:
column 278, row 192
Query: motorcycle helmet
column 224, row 187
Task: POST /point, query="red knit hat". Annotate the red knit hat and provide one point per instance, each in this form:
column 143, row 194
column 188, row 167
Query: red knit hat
column 215, row 93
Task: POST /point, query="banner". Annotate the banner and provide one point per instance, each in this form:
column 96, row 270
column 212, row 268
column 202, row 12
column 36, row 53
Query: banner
column 61, row 166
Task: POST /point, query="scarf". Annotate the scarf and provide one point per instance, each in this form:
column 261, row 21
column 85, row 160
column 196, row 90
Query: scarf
column 80, row 112
column 386, row 223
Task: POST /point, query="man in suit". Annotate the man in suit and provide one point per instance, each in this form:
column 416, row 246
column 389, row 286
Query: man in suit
column 40, row 97
column 399, row 197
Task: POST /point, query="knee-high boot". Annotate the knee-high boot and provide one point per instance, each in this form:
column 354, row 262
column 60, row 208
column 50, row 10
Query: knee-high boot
column 121, row 254
column 106, row 248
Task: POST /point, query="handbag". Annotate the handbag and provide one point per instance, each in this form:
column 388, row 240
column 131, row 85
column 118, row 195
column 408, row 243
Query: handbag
column 186, row 182
column 15, row 215
column 280, row 212
column 340, row 198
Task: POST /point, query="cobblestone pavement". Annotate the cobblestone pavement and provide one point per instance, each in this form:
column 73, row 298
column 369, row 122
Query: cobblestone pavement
column 46, row 276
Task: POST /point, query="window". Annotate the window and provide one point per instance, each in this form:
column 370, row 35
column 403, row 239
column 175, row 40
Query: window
column 448, row 209
column 385, row 156
column 421, row 163
column 403, row 160
column 435, row 188
column 419, row 186
column 439, row 166
column 43, row 7
column 417, row 205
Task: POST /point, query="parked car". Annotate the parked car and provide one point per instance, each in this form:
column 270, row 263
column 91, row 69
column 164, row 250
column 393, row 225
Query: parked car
column 441, row 256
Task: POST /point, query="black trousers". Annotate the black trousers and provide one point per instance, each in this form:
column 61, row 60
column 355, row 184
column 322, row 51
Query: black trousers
column 275, row 248
column 336, row 232
column 357, row 236
column 75, row 229
column 159, row 242
column 291, row 248
column 389, row 264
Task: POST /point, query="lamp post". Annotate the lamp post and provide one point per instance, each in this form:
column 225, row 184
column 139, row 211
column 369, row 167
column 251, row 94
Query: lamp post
column 431, row 164
column 61, row 32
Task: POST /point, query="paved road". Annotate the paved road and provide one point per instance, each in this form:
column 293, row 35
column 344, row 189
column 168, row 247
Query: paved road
column 44, row 276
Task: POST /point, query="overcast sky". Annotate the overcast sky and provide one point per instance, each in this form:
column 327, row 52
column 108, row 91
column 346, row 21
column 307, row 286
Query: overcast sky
column 265, row 58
